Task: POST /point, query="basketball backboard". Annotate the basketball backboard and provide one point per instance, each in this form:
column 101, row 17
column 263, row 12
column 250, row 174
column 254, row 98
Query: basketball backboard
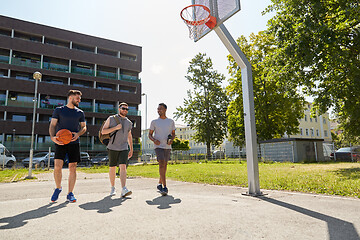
column 221, row 9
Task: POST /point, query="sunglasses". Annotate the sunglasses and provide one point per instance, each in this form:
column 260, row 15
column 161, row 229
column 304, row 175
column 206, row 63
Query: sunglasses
column 124, row 109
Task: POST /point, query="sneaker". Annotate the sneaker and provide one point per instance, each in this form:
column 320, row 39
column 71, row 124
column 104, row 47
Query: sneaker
column 164, row 191
column 159, row 187
column 113, row 191
column 125, row 192
column 55, row 195
column 70, row 197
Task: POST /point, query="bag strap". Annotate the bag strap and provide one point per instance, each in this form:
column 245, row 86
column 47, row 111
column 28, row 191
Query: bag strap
column 114, row 134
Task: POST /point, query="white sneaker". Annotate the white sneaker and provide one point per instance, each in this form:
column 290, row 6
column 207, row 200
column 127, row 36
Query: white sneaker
column 113, row 191
column 125, row 192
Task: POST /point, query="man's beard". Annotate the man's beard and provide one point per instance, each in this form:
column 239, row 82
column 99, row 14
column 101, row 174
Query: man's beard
column 75, row 103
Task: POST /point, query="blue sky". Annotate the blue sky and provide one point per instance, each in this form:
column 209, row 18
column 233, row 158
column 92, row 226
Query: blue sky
column 156, row 26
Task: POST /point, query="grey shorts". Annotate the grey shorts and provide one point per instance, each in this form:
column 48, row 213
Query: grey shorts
column 117, row 157
column 162, row 154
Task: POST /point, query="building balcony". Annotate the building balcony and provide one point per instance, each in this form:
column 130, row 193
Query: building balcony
column 82, row 71
column 13, row 103
column 129, row 78
column 26, row 62
column 86, row 109
column 106, row 74
column 134, row 112
column 106, row 110
column 4, row 59
column 46, row 105
column 56, row 67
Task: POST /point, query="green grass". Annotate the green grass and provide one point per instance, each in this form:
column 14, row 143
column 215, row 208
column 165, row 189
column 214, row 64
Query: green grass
column 325, row 178
column 14, row 175
column 334, row 179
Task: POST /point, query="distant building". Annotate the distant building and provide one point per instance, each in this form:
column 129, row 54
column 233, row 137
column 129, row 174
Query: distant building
column 310, row 128
column 317, row 127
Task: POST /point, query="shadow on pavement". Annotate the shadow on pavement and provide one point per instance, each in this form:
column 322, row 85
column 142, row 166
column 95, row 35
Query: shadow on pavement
column 20, row 220
column 104, row 205
column 337, row 228
column 164, row 201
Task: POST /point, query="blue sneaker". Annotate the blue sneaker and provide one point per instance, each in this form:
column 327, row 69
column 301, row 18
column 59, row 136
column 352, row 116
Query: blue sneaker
column 164, row 191
column 70, row 197
column 159, row 187
column 55, row 195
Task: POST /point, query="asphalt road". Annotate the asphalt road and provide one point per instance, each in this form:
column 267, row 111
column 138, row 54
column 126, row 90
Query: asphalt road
column 190, row 211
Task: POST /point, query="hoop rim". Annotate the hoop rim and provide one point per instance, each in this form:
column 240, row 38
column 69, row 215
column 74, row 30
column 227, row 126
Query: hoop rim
column 198, row 22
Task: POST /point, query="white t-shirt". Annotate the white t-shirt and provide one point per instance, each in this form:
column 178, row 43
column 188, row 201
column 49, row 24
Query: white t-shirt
column 162, row 128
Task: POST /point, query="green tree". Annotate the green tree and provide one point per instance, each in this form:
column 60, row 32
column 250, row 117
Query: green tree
column 182, row 145
column 278, row 105
column 318, row 47
column 204, row 109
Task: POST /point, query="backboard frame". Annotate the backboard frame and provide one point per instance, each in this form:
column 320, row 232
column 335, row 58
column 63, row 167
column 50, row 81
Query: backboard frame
column 214, row 11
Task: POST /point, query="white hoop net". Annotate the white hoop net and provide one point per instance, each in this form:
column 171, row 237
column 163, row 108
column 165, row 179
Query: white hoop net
column 195, row 17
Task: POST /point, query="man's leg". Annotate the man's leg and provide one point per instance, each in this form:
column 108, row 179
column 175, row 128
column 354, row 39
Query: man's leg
column 58, row 164
column 112, row 175
column 162, row 172
column 122, row 174
column 72, row 176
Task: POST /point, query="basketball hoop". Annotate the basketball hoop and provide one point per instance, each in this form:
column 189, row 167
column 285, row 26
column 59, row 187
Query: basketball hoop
column 197, row 17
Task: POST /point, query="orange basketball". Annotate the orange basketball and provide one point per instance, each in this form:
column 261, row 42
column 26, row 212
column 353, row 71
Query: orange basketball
column 64, row 136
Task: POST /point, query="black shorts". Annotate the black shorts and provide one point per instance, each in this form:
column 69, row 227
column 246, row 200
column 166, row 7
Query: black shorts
column 118, row 157
column 71, row 150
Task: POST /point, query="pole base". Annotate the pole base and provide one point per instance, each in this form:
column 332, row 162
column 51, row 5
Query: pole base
column 30, row 177
column 254, row 194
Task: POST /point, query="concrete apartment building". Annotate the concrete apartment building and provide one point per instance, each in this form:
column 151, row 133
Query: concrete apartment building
column 105, row 71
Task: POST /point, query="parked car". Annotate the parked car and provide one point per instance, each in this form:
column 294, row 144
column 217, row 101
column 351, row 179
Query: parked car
column 348, row 154
column 40, row 159
column 100, row 159
column 7, row 159
column 146, row 157
column 218, row 154
column 85, row 159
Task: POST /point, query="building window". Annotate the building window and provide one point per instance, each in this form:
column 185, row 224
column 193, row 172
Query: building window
column 19, row 118
column 301, row 131
column 325, row 133
column 310, row 119
column 317, row 132
column 312, row 132
column 305, row 118
column 315, row 119
column 324, row 120
column 307, row 132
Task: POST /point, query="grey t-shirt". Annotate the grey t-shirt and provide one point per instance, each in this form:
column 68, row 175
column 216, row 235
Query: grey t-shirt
column 162, row 128
column 121, row 137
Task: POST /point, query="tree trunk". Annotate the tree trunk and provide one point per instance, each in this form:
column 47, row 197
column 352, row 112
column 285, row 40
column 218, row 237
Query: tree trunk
column 208, row 153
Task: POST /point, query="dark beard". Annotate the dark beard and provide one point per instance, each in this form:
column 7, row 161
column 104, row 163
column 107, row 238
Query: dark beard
column 76, row 104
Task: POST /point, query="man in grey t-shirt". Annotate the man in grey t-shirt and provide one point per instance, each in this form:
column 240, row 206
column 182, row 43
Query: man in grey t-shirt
column 119, row 142
column 164, row 129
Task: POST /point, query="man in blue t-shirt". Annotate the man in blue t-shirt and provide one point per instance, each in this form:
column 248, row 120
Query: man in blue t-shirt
column 72, row 118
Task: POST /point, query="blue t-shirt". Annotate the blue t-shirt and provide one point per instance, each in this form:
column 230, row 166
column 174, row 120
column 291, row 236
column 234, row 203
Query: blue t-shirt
column 69, row 118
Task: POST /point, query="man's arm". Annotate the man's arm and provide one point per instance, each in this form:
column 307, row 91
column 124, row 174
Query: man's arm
column 157, row 142
column 52, row 133
column 172, row 137
column 107, row 130
column 130, row 142
column 76, row 135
